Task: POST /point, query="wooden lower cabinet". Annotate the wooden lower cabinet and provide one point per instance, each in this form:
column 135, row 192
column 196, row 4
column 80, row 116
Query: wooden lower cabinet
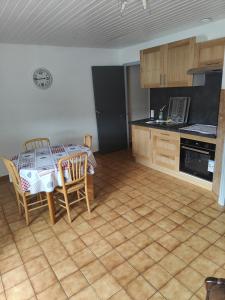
column 165, row 149
column 141, row 143
column 160, row 150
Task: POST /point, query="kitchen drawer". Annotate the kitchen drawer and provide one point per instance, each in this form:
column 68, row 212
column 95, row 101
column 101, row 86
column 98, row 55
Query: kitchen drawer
column 165, row 149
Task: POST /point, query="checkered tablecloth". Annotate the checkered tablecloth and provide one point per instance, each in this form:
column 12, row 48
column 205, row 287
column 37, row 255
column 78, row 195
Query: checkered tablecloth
column 38, row 167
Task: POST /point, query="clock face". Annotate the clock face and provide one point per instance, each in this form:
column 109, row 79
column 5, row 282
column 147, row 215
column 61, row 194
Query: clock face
column 42, row 78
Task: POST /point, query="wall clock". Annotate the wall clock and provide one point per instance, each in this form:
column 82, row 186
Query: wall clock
column 42, row 78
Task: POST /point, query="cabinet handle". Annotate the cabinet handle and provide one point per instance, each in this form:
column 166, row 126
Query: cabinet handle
column 161, row 133
column 164, row 140
column 160, row 79
column 163, row 155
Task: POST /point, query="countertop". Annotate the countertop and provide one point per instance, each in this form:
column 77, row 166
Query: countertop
column 170, row 127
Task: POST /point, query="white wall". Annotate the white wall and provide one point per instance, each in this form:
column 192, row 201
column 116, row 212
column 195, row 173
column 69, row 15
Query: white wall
column 138, row 98
column 64, row 112
column 204, row 32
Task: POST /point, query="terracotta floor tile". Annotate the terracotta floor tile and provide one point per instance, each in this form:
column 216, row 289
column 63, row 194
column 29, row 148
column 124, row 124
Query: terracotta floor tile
column 157, row 276
column 86, row 294
column 36, row 265
column 100, row 248
column 106, row 287
column 44, row 235
column 157, row 296
column 14, row 277
column 91, row 237
column 67, row 236
column 168, row 242
column 139, row 216
column 216, row 255
column 121, row 295
column 208, row 234
column 93, row 271
column 204, row 266
column 22, row 291
column 69, row 286
column 74, row 246
column 82, row 228
column 186, row 253
column 172, row 264
column 139, row 288
column 64, row 268
column 141, row 240
column 54, row 292
column 175, row 290
column 197, row 243
column 111, row 260
column 141, row 261
column 8, row 250
column 43, row 280
column 191, row 279
column 155, row 251
column 10, row 263
column 181, row 234
column 83, row 257
column 154, row 232
column 105, row 229
column 124, row 273
column 127, row 249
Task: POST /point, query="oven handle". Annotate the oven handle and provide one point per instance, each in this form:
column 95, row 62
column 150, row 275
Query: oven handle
column 196, row 150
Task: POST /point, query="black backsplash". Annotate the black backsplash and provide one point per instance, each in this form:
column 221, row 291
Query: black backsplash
column 204, row 99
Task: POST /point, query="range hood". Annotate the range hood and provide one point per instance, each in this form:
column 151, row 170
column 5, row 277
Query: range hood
column 206, row 69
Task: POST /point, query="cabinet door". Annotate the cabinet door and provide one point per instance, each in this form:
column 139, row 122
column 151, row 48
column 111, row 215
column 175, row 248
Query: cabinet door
column 152, row 64
column 211, row 53
column 165, row 150
column 180, row 58
column 141, row 141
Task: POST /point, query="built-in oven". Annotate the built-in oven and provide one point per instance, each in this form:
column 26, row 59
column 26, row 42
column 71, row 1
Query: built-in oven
column 197, row 158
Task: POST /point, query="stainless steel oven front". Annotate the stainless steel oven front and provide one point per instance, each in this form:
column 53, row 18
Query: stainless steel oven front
column 197, row 158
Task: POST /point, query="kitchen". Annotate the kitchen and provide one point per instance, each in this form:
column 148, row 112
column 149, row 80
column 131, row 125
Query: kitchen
column 181, row 137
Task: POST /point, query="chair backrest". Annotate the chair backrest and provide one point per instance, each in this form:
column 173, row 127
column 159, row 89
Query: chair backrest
column 13, row 173
column 73, row 168
column 36, row 143
column 88, row 140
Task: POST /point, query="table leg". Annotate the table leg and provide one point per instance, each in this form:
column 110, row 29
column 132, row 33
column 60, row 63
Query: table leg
column 90, row 187
column 51, row 207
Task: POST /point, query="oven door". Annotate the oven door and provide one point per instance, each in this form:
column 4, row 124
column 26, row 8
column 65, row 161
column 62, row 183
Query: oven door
column 196, row 162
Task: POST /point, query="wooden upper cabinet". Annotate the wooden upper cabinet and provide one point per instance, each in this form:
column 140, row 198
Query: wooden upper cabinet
column 180, row 58
column 152, row 67
column 211, row 52
column 167, row 65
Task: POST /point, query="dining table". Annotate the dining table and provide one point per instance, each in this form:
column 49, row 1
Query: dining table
column 38, row 170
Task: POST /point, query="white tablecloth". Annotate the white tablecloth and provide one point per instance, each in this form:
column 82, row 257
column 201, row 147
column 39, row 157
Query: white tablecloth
column 38, row 167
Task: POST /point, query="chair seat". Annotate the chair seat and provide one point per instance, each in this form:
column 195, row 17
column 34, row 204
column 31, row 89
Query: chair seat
column 71, row 189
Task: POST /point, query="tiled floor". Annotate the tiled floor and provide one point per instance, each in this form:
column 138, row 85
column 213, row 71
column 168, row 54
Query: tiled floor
column 149, row 236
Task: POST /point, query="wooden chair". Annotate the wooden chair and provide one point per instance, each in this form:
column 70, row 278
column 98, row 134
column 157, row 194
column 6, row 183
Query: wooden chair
column 36, row 143
column 88, row 140
column 25, row 200
column 74, row 168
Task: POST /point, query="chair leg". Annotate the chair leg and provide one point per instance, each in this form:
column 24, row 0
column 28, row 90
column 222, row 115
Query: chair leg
column 67, row 208
column 87, row 199
column 26, row 210
column 18, row 203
